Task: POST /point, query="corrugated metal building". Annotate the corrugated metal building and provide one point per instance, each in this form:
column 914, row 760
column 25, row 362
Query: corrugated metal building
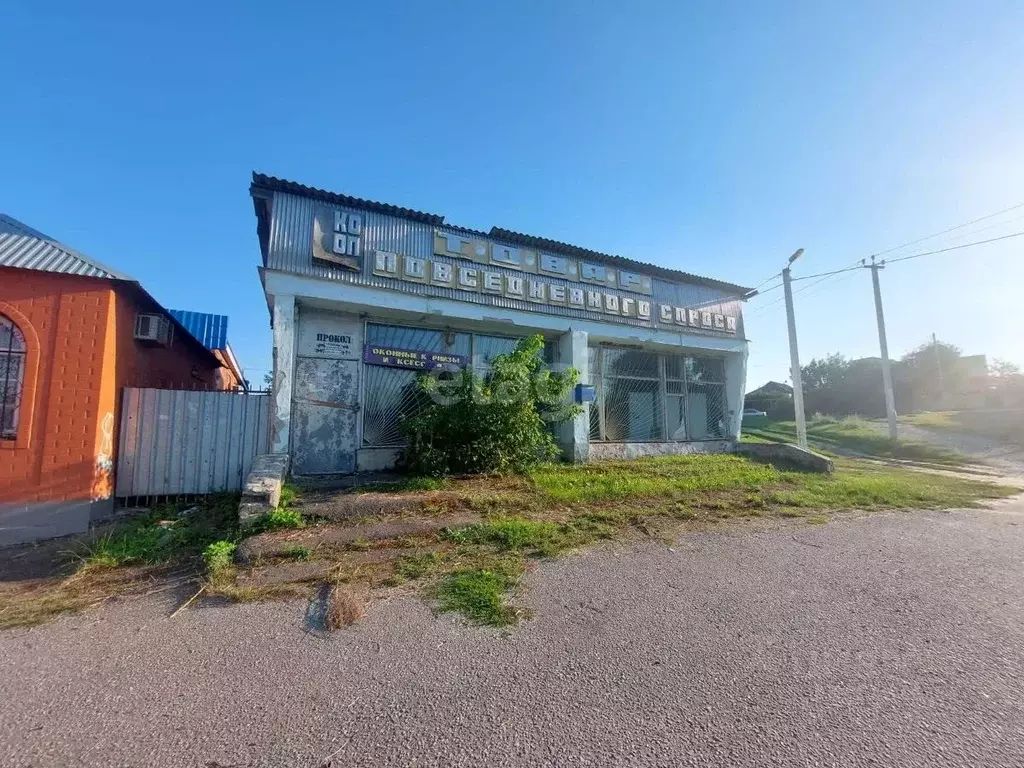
column 361, row 293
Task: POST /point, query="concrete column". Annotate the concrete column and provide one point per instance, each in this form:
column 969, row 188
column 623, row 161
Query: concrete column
column 285, row 330
column 574, row 436
column 735, row 390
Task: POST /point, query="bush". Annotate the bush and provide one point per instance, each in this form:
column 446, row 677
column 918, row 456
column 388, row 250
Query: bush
column 495, row 424
column 276, row 520
column 218, row 556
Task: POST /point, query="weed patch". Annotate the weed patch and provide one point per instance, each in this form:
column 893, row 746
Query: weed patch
column 219, row 556
column 275, row 520
column 419, row 565
column 480, row 595
column 165, row 534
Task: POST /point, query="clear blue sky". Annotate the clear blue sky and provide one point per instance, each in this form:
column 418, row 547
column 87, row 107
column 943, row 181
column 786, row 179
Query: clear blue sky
column 710, row 137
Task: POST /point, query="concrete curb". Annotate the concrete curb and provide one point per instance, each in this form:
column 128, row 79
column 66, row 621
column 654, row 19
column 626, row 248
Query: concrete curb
column 788, row 455
column 262, row 491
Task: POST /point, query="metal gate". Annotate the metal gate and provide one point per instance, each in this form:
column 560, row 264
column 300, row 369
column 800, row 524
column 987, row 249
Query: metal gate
column 181, row 442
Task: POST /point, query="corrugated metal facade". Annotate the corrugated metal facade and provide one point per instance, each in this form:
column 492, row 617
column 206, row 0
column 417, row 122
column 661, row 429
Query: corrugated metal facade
column 25, row 248
column 290, row 249
column 180, row 442
column 210, row 330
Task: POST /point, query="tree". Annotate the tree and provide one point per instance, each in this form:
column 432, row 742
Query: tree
column 842, row 387
column 1003, row 369
column 496, row 423
column 936, row 375
column 824, row 373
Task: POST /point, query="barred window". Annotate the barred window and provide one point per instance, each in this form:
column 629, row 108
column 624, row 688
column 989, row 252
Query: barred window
column 12, row 371
column 632, row 396
column 391, row 394
column 646, row 397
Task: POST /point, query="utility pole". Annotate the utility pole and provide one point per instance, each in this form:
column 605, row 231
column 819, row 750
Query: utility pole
column 794, row 356
column 938, row 369
column 890, row 400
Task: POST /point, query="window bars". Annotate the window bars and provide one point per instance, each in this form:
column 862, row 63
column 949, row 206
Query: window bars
column 391, row 393
column 647, row 397
column 12, row 370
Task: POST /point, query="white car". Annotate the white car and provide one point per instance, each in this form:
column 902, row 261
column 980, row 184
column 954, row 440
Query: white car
column 752, row 413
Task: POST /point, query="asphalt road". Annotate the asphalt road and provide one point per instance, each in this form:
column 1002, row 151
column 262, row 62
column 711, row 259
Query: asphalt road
column 893, row 640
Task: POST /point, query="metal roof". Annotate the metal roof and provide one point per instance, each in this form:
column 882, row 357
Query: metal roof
column 273, row 184
column 27, row 248
column 554, row 246
column 209, row 330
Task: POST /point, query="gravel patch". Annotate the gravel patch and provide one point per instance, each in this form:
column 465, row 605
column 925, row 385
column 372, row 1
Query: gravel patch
column 1007, row 458
column 891, row 639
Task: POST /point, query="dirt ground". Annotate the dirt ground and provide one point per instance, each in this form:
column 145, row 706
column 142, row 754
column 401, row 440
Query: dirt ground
column 889, row 638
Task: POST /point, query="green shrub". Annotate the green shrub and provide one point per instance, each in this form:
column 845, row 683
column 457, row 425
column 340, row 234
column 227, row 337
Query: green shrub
column 276, row 520
column 289, row 494
column 218, row 556
column 499, row 423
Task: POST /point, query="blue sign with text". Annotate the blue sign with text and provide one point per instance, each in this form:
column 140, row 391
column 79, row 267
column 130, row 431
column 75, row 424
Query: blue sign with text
column 413, row 359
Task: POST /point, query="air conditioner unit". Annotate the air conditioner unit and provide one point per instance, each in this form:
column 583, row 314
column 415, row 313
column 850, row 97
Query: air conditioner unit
column 153, row 329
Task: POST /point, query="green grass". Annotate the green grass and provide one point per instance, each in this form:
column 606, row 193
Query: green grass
column 405, row 485
column 472, row 569
column 219, row 556
column 480, row 594
column 509, row 533
column 275, row 520
column 289, row 495
column 298, row 553
column 670, row 476
column 855, row 435
column 417, row 566
column 162, row 544
column 165, row 534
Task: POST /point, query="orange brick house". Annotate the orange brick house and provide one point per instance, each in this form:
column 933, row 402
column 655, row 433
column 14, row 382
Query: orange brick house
column 73, row 334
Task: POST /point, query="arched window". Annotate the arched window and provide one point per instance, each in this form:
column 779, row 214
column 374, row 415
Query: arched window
column 12, row 373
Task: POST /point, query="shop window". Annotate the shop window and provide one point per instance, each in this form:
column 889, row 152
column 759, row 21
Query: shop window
column 486, row 348
column 594, row 372
column 644, row 397
column 706, row 412
column 12, row 372
column 675, row 397
column 391, row 394
column 632, row 403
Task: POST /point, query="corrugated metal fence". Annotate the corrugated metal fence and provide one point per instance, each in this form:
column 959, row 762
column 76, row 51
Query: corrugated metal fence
column 180, row 442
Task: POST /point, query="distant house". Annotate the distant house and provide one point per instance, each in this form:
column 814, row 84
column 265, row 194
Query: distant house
column 772, row 390
column 212, row 332
column 73, row 334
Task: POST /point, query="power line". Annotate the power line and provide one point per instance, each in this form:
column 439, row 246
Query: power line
column 951, row 229
column 822, row 276
column 827, row 274
column 953, row 248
